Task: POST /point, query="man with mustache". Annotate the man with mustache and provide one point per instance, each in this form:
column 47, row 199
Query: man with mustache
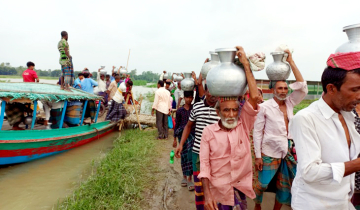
column 327, row 141
column 225, row 156
column 272, row 140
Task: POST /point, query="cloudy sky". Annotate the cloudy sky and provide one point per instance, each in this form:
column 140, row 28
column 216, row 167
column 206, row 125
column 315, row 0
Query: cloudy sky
column 171, row 35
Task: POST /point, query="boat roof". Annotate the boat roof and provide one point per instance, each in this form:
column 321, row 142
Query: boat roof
column 41, row 91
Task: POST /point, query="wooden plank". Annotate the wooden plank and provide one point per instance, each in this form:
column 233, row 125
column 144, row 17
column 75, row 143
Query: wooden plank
column 20, row 100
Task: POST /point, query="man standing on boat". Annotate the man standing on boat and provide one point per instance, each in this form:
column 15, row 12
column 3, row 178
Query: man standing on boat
column 67, row 70
column 272, row 140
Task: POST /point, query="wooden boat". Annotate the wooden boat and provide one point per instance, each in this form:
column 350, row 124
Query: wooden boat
column 18, row 146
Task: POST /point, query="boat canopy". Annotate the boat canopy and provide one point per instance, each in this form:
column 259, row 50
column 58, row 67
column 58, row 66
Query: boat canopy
column 40, row 91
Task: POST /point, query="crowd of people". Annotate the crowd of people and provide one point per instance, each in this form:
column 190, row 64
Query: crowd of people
column 233, row 148
column 115, row 89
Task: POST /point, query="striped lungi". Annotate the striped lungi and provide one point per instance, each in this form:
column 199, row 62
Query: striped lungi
column 14, row 113
column 68, row 73
column 186, row 155
column 90, row 109
column 240, row 202
column 55, row 118
column 199, row 191
column 116, row 111
column 277, row 171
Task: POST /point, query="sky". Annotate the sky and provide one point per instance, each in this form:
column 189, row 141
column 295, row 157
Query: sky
column 175, row 36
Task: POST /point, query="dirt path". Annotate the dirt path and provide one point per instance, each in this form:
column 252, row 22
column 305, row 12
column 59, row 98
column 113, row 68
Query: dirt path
column 168, row 193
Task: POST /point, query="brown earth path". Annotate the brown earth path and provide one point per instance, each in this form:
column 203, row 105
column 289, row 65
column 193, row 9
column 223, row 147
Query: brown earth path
column 167, row 193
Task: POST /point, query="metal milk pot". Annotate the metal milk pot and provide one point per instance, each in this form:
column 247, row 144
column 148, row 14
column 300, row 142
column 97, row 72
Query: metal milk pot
column 178, row 77
column 278, row 70
column 187, row 84
column 167, row 75
column 226, row 79
column 353, row 45
column 209, row 65
column 123, row 70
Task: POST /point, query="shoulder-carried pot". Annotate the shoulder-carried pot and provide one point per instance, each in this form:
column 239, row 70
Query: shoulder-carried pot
column 278, row 70
column 178, row 77
column 353, row 45
column 187, row 84
column 167, row 75
column 209, row 65
column 123, row 71
column 226, row 79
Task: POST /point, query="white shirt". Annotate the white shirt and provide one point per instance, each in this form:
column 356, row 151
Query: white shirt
column 270, row 135
column 101, row 83
column 118, row 97
column 161, row 76
column 322, row 149
column 179, row 94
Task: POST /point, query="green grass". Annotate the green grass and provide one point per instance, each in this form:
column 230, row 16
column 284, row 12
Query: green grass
column 302, row 105
column 140, row 82
column 150, row 96
column 20, row 77
column 119, row 179
column 154, row 85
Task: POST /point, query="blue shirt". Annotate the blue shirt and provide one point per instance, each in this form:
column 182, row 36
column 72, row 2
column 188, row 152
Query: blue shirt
column 76, row 83
column 87, row 85
column 112, row 78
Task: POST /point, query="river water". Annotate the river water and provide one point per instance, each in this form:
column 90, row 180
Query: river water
column 38, row 185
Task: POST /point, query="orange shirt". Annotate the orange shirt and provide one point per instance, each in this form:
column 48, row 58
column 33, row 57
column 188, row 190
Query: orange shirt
column 225, row 158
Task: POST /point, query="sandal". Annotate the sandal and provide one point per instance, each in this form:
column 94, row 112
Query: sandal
column 184, row 183
column 190, row 186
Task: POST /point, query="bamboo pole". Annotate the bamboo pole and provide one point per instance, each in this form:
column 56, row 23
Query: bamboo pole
column 127, row 64
column 136, row 112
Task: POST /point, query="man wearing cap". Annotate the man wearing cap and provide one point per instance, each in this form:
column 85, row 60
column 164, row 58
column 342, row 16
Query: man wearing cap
column 327, row 143
column 225, row 156
column 272, row 140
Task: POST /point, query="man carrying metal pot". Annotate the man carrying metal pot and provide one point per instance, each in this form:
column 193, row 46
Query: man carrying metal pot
column 202, row 114
column 275, row 164
column 225, row 156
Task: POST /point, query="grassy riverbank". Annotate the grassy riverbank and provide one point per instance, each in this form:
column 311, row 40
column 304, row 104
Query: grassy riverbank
column 119, row 180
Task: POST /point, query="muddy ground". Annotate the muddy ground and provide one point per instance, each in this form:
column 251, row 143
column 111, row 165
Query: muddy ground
column 168, row 194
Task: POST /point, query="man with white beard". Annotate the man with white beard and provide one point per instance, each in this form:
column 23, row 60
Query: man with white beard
column 273, row 142
column 225, row 156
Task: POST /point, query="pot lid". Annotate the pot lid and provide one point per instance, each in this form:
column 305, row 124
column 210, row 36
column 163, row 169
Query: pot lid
column 351, row 26
column 229, row 49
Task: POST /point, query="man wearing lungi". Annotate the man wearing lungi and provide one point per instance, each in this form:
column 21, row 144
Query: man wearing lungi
column 225, row 156
column 326, row 139
column 117, row 110
column 67, row 69
column 272, row 140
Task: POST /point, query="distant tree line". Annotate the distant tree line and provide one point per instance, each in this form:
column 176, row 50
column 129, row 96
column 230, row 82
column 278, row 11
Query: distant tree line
column 149, row 76
column 7, row 69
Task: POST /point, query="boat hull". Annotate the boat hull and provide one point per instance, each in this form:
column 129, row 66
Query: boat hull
column 28, row 145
